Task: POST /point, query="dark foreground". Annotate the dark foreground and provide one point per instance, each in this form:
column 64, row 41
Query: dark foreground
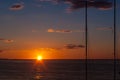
column 57, row 70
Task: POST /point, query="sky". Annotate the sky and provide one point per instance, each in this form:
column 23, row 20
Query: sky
column 55, row 29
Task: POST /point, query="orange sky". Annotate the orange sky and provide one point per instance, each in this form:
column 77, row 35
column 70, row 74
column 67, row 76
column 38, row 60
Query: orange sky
column 57, row 31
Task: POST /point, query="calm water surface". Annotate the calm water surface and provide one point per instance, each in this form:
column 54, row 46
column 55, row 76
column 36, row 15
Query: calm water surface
column 56, row 70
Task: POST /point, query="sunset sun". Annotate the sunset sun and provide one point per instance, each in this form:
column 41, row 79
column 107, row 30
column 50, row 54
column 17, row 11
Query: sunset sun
column 39, row 58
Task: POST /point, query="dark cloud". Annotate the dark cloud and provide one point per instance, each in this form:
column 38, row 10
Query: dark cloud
column 73, row 46
column 17, row 6
column 1, row 51
column 81, row 31
column 99, row 4
column 6, row 40
column 5, row 50
column 103, row 5
column 77, row 4
column 105, row 28
column 2, row 39
column 64, row 31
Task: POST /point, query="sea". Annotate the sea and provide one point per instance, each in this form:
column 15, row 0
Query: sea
column 58, row 70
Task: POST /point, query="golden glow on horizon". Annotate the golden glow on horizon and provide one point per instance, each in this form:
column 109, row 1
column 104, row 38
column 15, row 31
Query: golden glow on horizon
column 39, row 58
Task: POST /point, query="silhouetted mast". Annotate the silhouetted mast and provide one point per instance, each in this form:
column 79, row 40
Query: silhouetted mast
column 86, row 41
column 115, row 57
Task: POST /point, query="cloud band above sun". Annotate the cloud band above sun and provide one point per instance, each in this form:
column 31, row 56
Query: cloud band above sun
column 50, row 30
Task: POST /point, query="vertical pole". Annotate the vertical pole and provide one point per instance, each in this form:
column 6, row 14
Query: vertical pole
column 86, row 42
column 115, row 57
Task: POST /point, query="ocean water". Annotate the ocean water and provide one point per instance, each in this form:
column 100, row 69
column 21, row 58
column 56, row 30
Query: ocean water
column 57, row 70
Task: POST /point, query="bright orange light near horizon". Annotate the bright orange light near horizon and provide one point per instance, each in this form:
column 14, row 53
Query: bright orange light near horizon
column 39, row 58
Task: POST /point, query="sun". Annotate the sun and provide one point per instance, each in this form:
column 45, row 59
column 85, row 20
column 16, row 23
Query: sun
column 39, row 58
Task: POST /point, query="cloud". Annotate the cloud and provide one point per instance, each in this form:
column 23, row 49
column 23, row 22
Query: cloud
column 99, row 4
column 2, row 39
column 51, row 30
column 6, row 40
column 73, row 46
column 47, row 50
column 78, row 4
column 65, row 47
column 105, row 28
column 63, row 30
column 1, row 51
column 79, row 31
column 7, row 50
column 17, row 6
column 59, row 31
column 102, row 5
